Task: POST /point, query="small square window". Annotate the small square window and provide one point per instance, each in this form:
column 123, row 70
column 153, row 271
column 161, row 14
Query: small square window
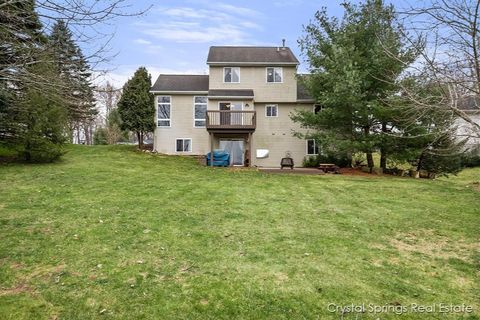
column 274, row 75
column 184, row 145
column 271, row 111
column 231, row 74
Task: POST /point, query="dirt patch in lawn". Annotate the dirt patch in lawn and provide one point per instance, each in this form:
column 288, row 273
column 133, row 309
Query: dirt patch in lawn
column 358, row 172
column 476, row 186
column 16, row 266
column 426, row 242
column 21, row 288
column 46, row 272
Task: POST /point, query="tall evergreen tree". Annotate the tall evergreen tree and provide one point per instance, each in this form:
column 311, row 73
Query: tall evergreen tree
column 37, row 116
column 21, row 39
column 75, row 74
column 136, row 105
column 354, row 65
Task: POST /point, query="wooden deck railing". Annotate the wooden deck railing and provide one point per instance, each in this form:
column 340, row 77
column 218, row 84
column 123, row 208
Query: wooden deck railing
column 231, row 120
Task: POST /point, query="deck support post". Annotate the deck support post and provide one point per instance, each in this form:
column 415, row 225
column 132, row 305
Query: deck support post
column 211, row 149
column 250, row 149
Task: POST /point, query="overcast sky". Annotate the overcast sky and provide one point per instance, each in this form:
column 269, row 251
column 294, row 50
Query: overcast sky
column 174, row 36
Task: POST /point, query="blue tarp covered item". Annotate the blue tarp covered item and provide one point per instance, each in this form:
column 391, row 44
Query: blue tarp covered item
column 220, row 158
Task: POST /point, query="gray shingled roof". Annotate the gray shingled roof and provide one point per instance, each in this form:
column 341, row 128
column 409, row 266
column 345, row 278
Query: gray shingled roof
column 181, row 82
column 251, row 55
column 231, row 93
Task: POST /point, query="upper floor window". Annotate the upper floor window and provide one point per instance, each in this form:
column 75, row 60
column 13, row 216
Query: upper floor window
column 231, row 74
column 163, row 111
column 274, row 74
column 200, row 111
column 312, row 148
column 271, row 110
column 317, row 108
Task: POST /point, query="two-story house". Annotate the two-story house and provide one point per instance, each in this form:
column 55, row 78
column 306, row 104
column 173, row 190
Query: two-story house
column 242, row 106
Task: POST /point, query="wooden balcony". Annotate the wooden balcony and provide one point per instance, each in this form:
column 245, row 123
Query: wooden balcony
column 231, row 121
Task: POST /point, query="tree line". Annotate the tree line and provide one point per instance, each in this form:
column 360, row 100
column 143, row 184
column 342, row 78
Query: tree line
column 47, row 96
column 45, row 90
column 381, row 90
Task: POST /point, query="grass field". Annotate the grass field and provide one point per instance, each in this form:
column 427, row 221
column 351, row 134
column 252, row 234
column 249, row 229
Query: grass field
column 110, row 233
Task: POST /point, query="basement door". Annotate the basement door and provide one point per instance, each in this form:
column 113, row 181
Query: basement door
column 236, row 149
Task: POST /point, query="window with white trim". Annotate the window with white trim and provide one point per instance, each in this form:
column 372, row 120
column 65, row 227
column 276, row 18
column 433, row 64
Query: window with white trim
column 199, row 111
column 271, row 110
column 312, row 148
column 183, row 145
column 163, row 111
column 274, row 74
column 231, row 74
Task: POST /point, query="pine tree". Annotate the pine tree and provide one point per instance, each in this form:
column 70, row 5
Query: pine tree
column 352, row 77
column 75, row 74
column 22, row 45
column 37, row 117
column 136, row 105
column 21, row 39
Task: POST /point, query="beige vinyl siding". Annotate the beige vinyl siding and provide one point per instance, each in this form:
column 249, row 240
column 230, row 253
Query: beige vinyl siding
column 276, row 135
column 182, row 127
column 272, row 133
column 256, row 78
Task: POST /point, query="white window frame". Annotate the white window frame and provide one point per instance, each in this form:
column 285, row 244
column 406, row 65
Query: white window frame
column 239, row 74
column 314, row 147
column 231, row 102
column 271, row 105
column 170, row 107
column 183, row 139
column 194, row 105
column 266, row 74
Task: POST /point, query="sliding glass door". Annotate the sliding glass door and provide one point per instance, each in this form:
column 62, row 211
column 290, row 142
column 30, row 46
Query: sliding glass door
column 228, row 118
column 236, row 149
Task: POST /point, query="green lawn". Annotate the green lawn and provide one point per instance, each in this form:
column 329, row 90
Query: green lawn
column 110, row 233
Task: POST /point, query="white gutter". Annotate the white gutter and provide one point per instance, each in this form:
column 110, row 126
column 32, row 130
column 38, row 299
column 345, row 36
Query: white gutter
column 178, row 92
column 230, row 97
column 215, row 63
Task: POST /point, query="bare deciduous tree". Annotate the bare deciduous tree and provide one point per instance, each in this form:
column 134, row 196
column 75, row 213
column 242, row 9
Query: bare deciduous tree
column 449, row 56
column 83, row 17
column 24, row 29
column 107, row 97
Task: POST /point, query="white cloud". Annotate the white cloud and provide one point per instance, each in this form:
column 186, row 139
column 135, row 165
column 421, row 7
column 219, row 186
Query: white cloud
column 250, row 25
column 142, row 41
column 212, row 23
column 148, row 46
column 182, row 12
column 235, row 9
column 287, row 3
column 179, row 34
column 227, row 8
